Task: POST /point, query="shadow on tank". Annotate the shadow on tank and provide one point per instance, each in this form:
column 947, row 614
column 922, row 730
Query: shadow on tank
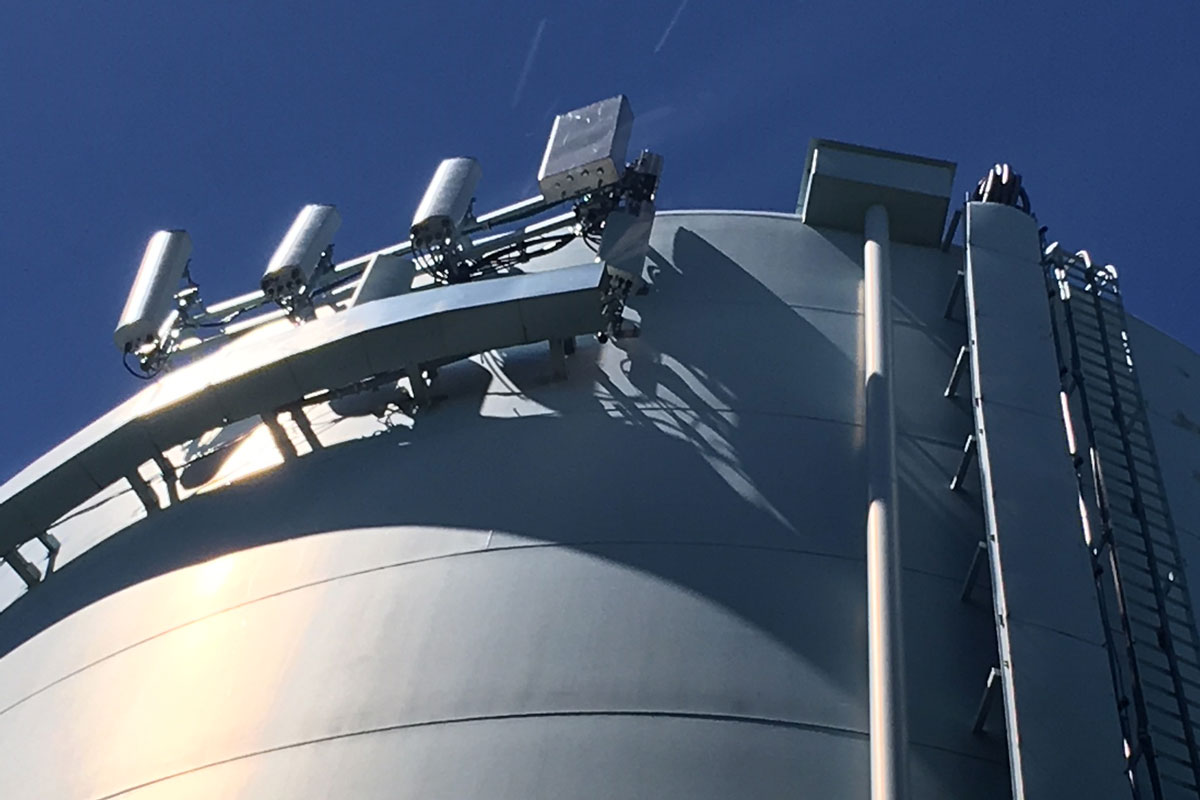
column 731, row 428
column 708, row 450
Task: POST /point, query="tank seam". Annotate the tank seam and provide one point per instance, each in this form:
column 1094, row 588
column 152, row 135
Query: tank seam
column 836, row 730
column 396, row 565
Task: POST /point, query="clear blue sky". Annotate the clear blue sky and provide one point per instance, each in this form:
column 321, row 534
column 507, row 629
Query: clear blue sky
column 224, row 118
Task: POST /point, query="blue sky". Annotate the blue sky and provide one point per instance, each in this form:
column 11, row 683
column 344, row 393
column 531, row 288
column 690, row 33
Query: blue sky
column 224, row 118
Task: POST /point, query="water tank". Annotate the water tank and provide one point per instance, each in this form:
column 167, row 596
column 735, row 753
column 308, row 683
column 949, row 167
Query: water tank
column 647, row 579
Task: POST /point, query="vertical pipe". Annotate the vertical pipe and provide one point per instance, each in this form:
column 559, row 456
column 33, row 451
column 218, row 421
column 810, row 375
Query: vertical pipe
column 885, row 653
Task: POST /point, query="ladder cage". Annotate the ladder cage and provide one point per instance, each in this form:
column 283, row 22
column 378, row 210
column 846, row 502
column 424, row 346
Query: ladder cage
column 1142, row 592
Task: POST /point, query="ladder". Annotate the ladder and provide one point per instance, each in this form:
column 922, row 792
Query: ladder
column 1145, row 607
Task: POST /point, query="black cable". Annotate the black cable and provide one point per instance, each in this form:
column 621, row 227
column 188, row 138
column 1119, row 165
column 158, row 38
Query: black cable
column 1002, row 185
column 142, row 376
column 331, row 286
column 213, row 324
column 520, row 252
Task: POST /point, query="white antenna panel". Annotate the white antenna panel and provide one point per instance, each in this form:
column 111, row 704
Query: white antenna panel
column 152, row 297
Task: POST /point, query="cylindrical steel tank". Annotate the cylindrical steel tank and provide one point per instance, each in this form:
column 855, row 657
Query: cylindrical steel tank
column 646, row 580
column 641, row 576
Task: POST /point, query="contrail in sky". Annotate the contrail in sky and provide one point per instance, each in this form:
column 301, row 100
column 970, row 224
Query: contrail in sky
column 533, row 48
column 670, row 26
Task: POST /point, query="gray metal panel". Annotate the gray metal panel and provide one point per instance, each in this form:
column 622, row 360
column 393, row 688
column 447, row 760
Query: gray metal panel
column 124, row 619
column 1025, row 373
column 176, row 416
column 586, row 149
column 1047, row 574
column 332, row 360
column 542, row 318
column 796, row 264
column 104, row 457
column 253, row 376
column 714, row 303
column 1043, row 588
column 936, row 773
column 1070, row 738
column 841, row 181
column 943, row 693
column 925, row 346
column 733, row 616
column 462, row 328
column 385, row 276
column 41, row 501
column 611, row 756
column 386, row 354
column 249, row 377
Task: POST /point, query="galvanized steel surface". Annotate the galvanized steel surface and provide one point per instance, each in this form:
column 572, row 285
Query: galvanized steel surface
column 647, row 580
column 259, row 375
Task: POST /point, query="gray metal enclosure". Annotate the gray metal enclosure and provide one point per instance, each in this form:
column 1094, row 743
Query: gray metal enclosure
column 644, row 580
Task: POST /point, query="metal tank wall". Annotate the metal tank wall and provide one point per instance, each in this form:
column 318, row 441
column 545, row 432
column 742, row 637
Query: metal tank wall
column 647, row 580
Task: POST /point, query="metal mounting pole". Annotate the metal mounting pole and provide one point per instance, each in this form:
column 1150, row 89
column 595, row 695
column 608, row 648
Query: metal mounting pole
column 885, row 652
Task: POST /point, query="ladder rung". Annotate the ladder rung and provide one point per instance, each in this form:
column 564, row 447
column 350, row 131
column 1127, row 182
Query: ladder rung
column 1089, row 332
column 1115, row 465
column 1123, row 510
column 1086, row 311
column 1120, row 502
column 1084, row 317
column 1162, row 712
column 1151, row 623
column 1150, row 502
column 1169, row 712
column 1117, row 445
column 1142, row 489
column 1191, row 787
column 1148, row 646
column 1095, row 370
column 1109, row 302
column 1162, row 693
column 1180, row 662
column 1187, row 762
column 1154, row 611
column 1128, row 530
column 1156, row 731
column 1185, row 646
column 1144, row 569
column 1084, row 346
column 1107, row 427
column 1177, row 774
column 1164, row 671
column 1127, row 547
column 1134, row 552
column 1099, row 378
column 1099, row 382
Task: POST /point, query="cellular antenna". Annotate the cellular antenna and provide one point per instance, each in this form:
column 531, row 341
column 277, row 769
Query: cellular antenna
column 305, row 253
